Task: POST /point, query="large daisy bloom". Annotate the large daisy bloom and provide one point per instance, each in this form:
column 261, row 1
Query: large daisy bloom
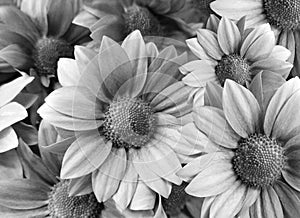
column 41, row 193
column 11, row 112
column 118, row 18
column 38, row 34
column 124, row 106
column 252, row 170
column 228, row 51
column 283, row 16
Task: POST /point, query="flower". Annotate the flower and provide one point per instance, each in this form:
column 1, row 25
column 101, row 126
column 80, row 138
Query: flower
column 283, row 16
column 124, row 106
column 251, row 168
column 40, row 193
column 38, row 34
column 116, row 19
column 228, row 51
column 11, row 112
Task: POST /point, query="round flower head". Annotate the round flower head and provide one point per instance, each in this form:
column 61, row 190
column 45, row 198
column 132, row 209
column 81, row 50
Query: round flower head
column 11, row 112
column 228, row 51
column 124, row 106
column 283, row 16
column 118, row 18
column 38, row 34
column 41, row 194
column 252, row 167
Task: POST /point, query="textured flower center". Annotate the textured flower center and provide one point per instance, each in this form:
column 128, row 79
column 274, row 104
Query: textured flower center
column 284, row 14
column 47, row 52
column 232, row 67
column 129, row 123
column 140, row 18
column 176, row 201
column 61, row 205
column 258, row 160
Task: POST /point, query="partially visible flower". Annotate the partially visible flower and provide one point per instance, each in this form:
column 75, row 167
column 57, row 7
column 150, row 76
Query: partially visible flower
column 38, row 34
column 118, row 18
column 125, row 107
column 283, row 16
column 228, row 51
column 11, row 112
column 41, row 193
column 252, row 169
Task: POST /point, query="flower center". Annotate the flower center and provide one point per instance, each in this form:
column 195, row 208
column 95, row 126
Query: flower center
column 61, row 205
column 232, row 67
column 258, row 160
column 284, row 14
column 176, row 201
column 129, row 123
column 47, row 52
column 140, row 18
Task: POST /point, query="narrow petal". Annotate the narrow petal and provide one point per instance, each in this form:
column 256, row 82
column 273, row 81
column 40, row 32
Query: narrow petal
column 106, row 179
column 80, row 186
column 291, row 172
column 229, row 203
column 241, row 109
column 280, row 52
column 8, row 139
column 289, row 200
column 77, row 102
column 23, row 194
column 213, row 95
column 127, row 187
column 85, row 155
column 83, row 56
column 60, row 15
column 212, row 122
column 229, row 36
column 213, row 180
column 254, row 53
column 143, row 198
column 10, row 114
column 10, row 90
column 209, row 42
column 197, row 49
column 235, row 9
column 67, row 72
column 67, row 122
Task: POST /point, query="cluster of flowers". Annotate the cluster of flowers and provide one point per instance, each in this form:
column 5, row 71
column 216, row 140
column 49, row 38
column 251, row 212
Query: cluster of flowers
column 150, row 108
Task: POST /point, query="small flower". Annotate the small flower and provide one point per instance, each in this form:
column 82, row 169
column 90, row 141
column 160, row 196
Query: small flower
column 41, row 194
column 228, row 51
column 118, row 18
column 283, row 16
column 124, row 107
column 11, row 112
column 251, row 168
column 38, row 34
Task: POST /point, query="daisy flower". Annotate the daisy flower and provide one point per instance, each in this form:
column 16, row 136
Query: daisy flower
column 253, row 170
column 11, row 112
column 283, row 16
column 124, row 106
column 228, row 51
column 38, row 34
column 41, row 193
column 118, row 18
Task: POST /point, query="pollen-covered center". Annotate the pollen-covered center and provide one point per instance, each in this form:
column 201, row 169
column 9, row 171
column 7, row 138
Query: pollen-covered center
column 176, row 201
column 258, row 161
column 232, row 67
column 129, row 123
column 61, row 205
column 284, row 14
column 47, row 52
column 140, row 18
